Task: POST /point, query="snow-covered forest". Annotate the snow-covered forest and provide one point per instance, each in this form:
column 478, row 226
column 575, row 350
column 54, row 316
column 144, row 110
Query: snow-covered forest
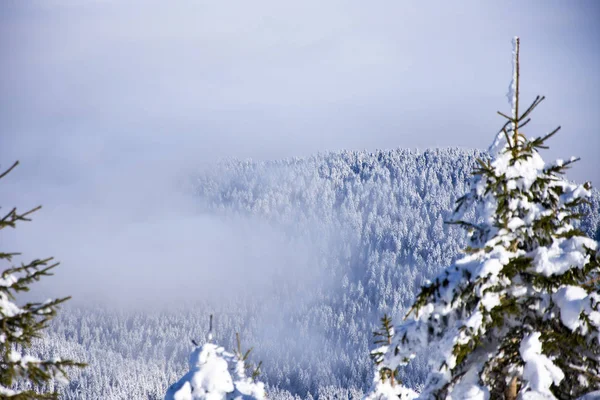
column 361, row 232
column 198, row 231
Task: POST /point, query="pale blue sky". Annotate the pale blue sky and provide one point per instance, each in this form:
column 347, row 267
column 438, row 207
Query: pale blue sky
column 106, row 102
column 101, row 80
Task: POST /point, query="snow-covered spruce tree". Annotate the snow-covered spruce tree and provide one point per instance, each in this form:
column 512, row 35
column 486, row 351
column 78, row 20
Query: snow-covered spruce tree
column 216, row 374
column 519, row 315
column 19, row 325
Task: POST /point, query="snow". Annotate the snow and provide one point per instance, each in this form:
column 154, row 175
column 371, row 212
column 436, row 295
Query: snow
column 515, row 223
column 517, row 197
column 512, row 88
column 215, row 375
column 539, row 371
column 7, row 307
column 520, row 173
column 469, row 388
column 562, row 255
column 500, row 141
column 490, row 300
column 7, row 392
column 570, row 300
column 490, row 267
column 497, row 144
column 385, row 391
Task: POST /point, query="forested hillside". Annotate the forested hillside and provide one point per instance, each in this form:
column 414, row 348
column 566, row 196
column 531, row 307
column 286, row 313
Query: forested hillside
column 365, row 230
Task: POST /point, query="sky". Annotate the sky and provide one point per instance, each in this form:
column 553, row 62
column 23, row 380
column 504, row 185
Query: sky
column 108, row 103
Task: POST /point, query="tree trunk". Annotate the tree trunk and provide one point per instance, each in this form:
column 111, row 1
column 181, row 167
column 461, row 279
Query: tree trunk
column 510, row 393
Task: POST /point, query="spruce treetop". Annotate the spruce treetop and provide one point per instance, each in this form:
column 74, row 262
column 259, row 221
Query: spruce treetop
column 216, row 374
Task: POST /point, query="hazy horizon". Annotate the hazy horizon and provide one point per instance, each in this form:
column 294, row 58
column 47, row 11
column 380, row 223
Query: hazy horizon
column 108, row 104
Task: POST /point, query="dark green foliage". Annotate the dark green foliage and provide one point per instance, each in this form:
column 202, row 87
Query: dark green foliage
column 243, row 356
column 574, row 353
column 383, row 339
column 496, row 314
column 19, row 325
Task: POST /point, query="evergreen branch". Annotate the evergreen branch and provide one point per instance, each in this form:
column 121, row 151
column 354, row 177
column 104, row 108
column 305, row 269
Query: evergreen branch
column 559, row 169
column 590, row 283
column 20, row 325
column 510, row 119
column 539, row 142
column 507, row 138
column 533, row 105
column 247, row 353
column 256, row 372
column 525, row 123
column 20, row 285
column 12, row 217
column 3, row 174
column 8, row 256
column 239, row 345
column 28, row 313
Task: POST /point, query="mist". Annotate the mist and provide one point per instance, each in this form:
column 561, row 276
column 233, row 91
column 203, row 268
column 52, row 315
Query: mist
column 143, row 241
column 110, row 105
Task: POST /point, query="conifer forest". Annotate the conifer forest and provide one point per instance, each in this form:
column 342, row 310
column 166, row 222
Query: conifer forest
column 299, row 201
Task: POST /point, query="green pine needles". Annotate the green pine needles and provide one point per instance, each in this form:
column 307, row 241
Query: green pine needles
column 244, row 357
column 383, row 339
column 519, row 315
column 19, row 325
